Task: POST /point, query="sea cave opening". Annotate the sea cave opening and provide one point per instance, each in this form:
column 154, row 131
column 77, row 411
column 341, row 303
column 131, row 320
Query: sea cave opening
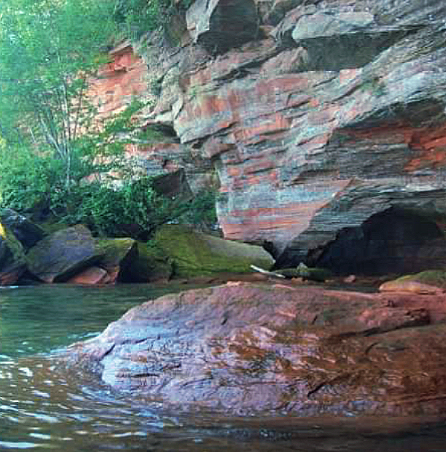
column 395, row 241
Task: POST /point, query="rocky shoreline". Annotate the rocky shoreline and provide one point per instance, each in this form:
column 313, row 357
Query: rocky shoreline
column 72, row 255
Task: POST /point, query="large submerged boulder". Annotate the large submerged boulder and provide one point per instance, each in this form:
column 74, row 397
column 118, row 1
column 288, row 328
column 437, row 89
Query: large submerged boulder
column 243, row 349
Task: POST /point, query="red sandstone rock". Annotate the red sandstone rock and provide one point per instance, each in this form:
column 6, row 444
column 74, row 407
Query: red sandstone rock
column 307, row 154
column 92, row 275
column 241, row 349
column 121, row 79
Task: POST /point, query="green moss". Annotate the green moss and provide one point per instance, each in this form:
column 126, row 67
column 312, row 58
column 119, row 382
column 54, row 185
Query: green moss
column 114, row 250
column 17, row 254
column 52, row 225
column 196, row 254
column 150, row 264
column 432, row 277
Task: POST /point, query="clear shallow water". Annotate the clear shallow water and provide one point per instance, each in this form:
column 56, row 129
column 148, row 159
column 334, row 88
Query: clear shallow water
column 45, row 407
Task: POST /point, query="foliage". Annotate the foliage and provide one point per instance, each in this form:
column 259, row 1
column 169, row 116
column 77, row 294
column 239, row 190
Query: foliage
column 26, row 178
column 137, row 17
column 54, row 159
column 135, row 209
column 130, row 210
column 35, row 184
column 200, row 210
column 48, row 49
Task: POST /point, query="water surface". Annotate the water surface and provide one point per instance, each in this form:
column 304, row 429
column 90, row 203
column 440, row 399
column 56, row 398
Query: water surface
column 45, row 407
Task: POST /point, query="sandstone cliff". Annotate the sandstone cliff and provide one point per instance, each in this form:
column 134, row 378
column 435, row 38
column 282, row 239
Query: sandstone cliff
column 323, row 119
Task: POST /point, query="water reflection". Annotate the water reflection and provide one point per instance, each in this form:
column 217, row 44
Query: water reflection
column 45, row 406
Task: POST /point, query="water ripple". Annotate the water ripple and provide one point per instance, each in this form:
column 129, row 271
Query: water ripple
column 45, row 406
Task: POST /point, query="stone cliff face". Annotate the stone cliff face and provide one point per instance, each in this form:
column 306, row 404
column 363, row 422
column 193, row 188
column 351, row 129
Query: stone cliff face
column 324, row 120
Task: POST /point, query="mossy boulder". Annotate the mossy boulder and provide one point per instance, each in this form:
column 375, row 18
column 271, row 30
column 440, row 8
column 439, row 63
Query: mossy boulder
column 429, row 281
column 150, row 264
column 432, row 277
column 117, row 256
column 196, row 254
column 12, row 257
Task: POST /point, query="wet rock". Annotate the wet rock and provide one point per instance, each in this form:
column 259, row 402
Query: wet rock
column 61, row 255
column 245, row 349
column 27, row 232
column 12, row 257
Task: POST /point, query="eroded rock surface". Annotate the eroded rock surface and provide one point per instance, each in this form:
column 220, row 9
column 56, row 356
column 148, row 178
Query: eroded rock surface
column 243, row 349
column 353, row 128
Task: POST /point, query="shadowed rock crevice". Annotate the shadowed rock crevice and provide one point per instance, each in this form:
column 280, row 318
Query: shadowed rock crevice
column 417, row 113
column 355, row 50
column 221, row 25
column 393, row 241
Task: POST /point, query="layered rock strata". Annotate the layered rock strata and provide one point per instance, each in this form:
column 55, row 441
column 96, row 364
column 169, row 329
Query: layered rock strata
column 316, row 115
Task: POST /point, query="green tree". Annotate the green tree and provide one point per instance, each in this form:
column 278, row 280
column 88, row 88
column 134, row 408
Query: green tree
column 136, row 17
column 48, row 49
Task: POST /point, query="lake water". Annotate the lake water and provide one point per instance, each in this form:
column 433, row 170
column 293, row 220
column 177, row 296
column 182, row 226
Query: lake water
column 44, row 406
